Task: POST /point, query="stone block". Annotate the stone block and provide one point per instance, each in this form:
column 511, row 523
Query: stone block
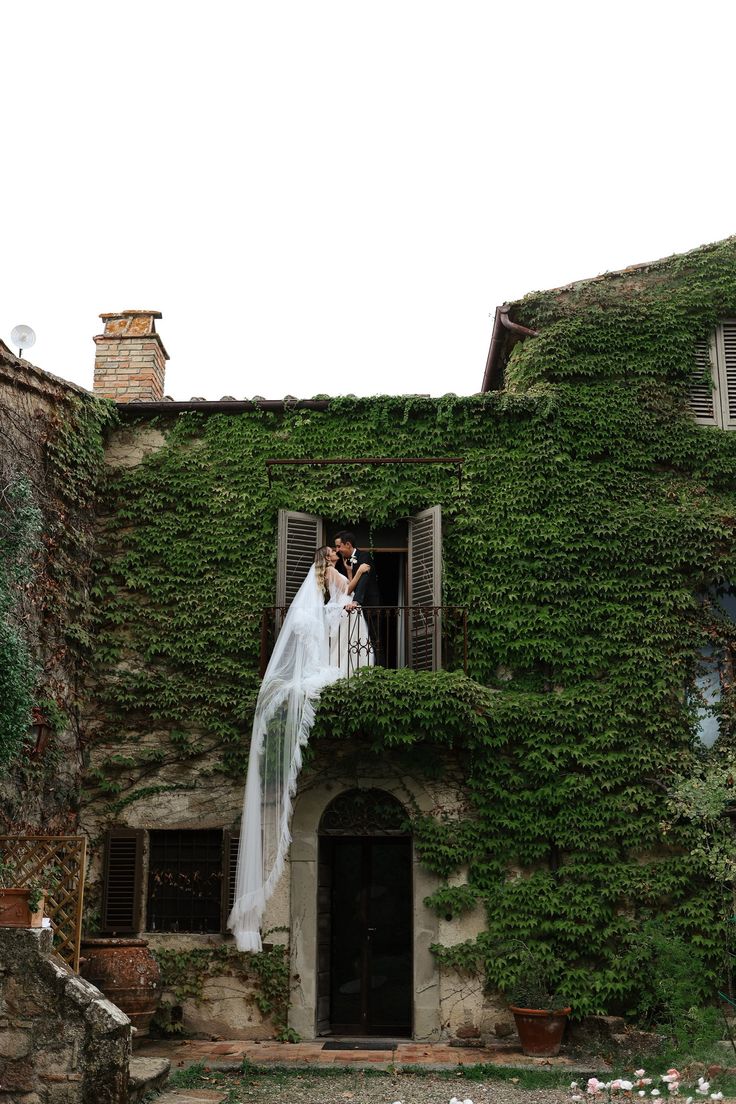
column 62, row 1092
column 468, row 1031
column 18, row 1076
column 80, row 992
column 53, row 1060
column 15, row 1044
column 104, row 1018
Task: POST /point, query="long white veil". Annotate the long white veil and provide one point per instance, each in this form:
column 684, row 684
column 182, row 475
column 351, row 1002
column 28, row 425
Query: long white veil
column 298, row 669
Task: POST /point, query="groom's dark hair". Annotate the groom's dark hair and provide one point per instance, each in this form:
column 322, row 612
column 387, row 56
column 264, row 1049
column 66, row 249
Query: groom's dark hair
column 347, row 537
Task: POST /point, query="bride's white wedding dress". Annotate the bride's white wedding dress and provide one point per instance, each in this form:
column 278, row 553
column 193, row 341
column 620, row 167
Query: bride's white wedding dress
column 319, row 643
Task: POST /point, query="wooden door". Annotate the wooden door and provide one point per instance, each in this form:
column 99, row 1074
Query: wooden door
column 371, row 974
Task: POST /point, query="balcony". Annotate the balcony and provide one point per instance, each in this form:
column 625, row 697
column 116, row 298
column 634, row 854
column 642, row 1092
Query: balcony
column 422, row 638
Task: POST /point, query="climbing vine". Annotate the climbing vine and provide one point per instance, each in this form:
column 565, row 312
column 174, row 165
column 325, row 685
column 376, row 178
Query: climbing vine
column 185, row 974
column 50, row 462
column 593, row 521
column 20, row 523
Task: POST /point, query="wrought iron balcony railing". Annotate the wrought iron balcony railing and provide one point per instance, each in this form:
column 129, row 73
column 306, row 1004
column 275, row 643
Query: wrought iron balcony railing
column 422, row 638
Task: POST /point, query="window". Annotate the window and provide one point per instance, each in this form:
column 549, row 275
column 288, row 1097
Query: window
column 410, row 621
column 712, row 394
column 188, row 875
column 708, row 689
column 715, row 669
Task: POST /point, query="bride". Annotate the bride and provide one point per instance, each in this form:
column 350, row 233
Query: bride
column 324, row 638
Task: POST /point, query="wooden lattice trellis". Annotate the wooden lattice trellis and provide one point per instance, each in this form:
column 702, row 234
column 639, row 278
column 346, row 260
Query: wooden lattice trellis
column 58, row 863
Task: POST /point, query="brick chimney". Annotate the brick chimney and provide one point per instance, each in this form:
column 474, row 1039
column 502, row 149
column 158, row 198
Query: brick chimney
column 130, row 360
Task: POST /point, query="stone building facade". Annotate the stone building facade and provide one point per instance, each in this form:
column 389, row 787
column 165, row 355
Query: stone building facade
column 532, row 531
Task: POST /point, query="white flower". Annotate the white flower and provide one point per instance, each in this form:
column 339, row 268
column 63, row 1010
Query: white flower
column 654, row 1092
column 716, row 1096
column 577, row 1097
column 689, row 1100
column 641, row 1093
column 626, row 1086
column 574, row 1085
column 639, row 1073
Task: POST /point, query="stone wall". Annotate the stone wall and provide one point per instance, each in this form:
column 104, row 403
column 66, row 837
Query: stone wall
column 61, row 1041
column 42, row 793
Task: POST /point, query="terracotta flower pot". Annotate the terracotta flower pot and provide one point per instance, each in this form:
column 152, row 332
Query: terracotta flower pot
column 128, row 975
column 540, row 1030
column 15, row 911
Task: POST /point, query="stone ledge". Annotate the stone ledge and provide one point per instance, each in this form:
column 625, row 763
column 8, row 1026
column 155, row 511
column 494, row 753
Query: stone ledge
column 146, row 1074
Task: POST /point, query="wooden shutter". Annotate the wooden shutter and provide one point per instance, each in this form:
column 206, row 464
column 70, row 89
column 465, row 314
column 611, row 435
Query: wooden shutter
column 121, row 897
column 230, row 844
column 703, row 396
column 300, row 535
column 726, row 358
column 424, row 591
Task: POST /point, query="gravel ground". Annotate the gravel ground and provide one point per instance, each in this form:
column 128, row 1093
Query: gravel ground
column 356, row 1088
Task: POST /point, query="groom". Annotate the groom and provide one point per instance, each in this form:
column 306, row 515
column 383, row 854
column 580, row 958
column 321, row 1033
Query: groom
column 366, row 593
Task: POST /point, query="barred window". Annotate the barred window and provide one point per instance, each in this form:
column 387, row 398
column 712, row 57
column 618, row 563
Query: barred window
column 171, row 880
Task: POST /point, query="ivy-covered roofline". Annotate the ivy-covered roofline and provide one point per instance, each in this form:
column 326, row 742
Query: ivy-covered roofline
column 519, row 319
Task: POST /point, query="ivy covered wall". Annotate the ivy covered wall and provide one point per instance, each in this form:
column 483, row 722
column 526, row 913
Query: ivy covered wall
column 50, row 458
column 592, row 518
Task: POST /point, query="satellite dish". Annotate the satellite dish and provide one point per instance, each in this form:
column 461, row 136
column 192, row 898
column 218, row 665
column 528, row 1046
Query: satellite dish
column 23, row 337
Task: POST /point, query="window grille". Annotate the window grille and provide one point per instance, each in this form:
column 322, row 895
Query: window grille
column 185, row 880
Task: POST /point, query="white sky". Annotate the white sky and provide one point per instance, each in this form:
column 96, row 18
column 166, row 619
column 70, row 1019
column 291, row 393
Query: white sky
column 333, row 197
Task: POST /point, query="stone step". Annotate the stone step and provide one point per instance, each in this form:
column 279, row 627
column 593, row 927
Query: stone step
column 146, row 1074
column 190, row 1096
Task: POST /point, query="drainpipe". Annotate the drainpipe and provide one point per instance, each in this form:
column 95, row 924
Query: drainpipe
column 502, row 325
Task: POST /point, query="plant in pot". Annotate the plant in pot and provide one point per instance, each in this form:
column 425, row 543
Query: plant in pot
column 539, row 1011
column 21, row 903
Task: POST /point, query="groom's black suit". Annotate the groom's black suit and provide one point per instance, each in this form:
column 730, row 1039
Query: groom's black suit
column 366, row 591
column 366, row 594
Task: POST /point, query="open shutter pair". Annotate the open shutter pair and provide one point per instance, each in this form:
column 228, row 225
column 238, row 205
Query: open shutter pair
column 713, row 389
column 300, row 535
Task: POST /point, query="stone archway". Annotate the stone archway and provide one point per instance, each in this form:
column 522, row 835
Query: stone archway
column 308, row 1008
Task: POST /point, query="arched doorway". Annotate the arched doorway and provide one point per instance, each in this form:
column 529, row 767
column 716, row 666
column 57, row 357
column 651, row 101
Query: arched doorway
column 364, row 917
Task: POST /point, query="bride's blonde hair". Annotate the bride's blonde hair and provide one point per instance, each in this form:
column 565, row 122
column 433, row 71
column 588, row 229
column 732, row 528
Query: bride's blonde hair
column 321, row 563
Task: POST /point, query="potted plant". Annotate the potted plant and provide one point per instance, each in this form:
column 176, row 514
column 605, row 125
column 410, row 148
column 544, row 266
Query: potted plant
column 21, row 906
column 540, row 1013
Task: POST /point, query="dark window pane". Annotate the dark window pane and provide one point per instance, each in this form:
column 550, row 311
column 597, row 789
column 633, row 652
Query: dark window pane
column 184, row 881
